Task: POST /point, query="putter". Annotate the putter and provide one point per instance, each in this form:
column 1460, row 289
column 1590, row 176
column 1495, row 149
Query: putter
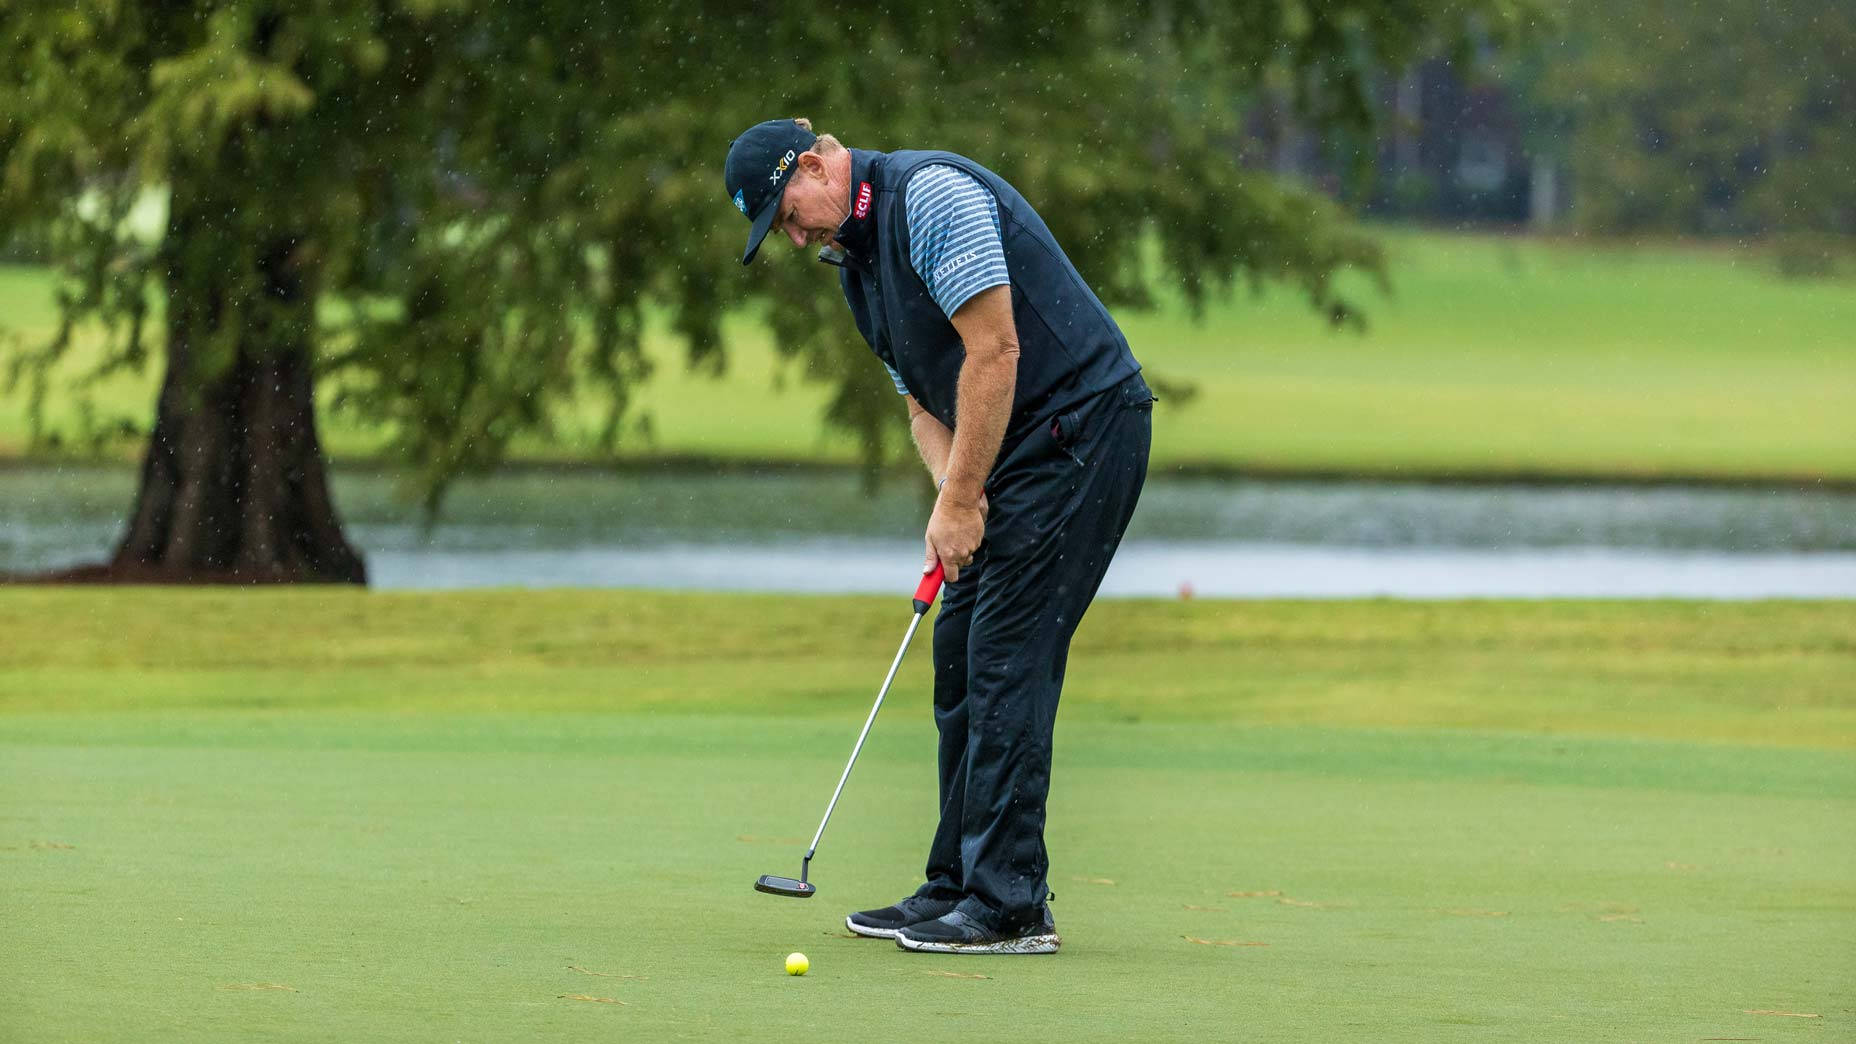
column 802, row 888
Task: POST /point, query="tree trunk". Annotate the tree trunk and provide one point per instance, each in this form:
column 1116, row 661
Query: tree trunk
column 233, row 486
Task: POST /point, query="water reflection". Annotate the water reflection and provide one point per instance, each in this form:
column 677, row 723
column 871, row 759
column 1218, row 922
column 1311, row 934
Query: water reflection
column 819, row 532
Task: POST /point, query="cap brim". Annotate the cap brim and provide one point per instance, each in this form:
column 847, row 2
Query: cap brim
column 762, row 222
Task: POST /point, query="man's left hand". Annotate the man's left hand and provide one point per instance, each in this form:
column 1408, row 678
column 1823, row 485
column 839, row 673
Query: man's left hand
column 954, row 533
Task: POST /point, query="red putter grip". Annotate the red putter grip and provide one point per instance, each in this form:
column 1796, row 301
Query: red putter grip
column 929, row 587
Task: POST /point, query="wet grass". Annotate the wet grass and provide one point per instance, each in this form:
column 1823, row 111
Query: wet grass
column 237, row 815
column 1746, row 672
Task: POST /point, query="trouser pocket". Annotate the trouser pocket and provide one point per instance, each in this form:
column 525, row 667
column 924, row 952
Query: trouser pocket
column 1071, row 429
column 1066, row 429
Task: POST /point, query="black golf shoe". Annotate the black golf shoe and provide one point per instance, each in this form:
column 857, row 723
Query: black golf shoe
column 958, row 933
column 885, row 923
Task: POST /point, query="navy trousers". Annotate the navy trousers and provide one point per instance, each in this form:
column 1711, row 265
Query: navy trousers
column 1060, row 500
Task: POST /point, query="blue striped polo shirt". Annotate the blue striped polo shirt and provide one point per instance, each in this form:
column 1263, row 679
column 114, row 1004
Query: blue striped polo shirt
column 954, row 238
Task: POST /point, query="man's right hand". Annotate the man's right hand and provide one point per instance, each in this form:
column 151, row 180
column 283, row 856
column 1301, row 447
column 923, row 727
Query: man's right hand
column 938, row 525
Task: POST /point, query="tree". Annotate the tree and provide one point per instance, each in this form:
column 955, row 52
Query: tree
column 1730, row 118
column 455, row 215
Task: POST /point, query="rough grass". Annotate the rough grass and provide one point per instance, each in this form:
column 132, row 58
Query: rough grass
column 283, row 815
column 1495, row 357
column 1758, row 672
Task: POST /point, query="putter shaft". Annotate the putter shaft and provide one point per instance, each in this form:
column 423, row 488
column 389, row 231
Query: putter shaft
column 884, row 691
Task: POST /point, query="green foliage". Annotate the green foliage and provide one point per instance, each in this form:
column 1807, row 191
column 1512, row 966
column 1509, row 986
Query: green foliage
column 1729, row 118
column 1563, row 357
column 494, row 194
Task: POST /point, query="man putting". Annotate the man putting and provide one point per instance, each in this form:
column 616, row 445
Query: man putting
column 1030, row 412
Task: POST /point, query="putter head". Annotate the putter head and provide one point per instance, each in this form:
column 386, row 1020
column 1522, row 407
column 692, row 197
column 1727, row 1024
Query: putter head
column 785, row 886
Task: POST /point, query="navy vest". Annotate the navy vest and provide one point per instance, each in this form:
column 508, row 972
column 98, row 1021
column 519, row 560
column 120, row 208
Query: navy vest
column 1069, row 347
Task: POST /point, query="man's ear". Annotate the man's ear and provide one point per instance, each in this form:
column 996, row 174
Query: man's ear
column 812, row 164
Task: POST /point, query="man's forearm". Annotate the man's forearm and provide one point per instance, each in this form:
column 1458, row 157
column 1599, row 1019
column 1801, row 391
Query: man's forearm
column 987, row 381
column 933, row 441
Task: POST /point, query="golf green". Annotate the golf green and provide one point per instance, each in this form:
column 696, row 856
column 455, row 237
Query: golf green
column 537, row 816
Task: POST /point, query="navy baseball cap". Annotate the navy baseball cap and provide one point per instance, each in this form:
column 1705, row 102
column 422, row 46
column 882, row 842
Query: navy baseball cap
column 760, row 163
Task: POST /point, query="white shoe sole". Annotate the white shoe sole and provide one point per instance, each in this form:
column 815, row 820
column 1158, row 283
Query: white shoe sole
column 872, row 933
column 1046, row 943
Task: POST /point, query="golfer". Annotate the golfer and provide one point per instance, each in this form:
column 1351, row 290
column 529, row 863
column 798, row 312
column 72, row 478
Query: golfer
column 1030, row 412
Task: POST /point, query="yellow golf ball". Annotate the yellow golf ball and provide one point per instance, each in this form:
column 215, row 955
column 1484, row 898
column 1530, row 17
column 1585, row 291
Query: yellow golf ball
column 796, row 964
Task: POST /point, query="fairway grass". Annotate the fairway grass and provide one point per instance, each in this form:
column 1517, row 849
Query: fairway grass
column 1494, row 357
column 329, row 814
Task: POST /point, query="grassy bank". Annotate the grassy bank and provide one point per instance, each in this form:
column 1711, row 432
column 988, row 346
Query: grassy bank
column 1495, row 356
column 1761, row 672
column 234, row 815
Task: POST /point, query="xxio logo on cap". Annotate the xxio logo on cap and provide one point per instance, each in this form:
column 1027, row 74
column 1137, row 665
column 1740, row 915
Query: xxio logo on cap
column 862, row 209
column 785, row 162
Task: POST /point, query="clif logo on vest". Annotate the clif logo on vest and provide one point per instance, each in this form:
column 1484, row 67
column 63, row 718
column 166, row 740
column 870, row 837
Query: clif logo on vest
column 862, row 209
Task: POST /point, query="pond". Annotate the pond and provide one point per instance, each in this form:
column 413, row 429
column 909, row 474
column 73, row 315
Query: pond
column 810, row 531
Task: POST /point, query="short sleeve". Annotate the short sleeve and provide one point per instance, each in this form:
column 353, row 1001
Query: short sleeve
column 954, row 236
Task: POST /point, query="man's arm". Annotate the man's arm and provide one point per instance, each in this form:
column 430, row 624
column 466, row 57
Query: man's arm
column 935, row 443
column 988, row 377
column 932, row 439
